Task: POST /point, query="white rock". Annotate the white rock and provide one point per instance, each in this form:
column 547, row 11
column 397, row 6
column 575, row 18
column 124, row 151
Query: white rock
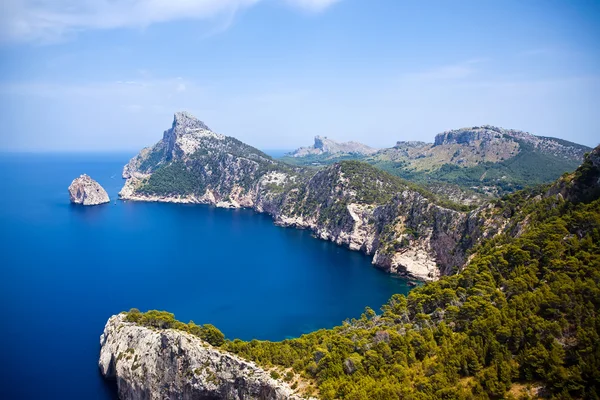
column 154, row 364
column 84, row 190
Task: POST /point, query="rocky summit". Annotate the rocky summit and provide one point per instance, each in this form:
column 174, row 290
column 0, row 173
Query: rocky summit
column 170, row 364
column 86, row 191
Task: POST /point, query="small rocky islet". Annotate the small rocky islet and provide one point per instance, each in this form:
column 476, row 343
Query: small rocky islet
column 86, row 191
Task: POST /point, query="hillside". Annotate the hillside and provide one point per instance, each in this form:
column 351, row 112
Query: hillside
column 520, row 320
column 488, row 160
column 405, row 228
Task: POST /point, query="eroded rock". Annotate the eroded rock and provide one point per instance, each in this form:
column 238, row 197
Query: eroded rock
column 86, row 191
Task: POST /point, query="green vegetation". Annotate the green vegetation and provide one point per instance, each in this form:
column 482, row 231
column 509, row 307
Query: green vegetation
column 529, row 167
column 165, row 320
column 371, row 185
column 524, row 313
column 319, row 160
column 173, row 179
column 153, row 159
column 374, row 186
column 525, row 169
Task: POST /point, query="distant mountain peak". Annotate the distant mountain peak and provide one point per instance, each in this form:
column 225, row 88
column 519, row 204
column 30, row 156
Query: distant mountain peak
column 324, row 145
column 187, row 121
column 469, row 135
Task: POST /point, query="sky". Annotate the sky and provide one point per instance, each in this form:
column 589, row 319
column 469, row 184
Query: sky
column 107, row 75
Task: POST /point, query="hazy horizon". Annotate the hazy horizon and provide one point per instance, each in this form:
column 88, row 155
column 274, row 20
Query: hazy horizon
column 96, row 75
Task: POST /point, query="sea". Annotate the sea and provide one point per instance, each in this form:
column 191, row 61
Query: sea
column 65, row 269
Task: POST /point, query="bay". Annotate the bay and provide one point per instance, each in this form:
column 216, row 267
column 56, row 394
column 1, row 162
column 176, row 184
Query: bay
column 65, row 269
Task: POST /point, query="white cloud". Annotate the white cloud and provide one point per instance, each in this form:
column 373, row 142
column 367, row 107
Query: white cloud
column 51, row 20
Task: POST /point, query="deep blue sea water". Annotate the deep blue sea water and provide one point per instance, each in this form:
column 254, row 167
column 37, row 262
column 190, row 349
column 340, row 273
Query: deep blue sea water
column 65, row 269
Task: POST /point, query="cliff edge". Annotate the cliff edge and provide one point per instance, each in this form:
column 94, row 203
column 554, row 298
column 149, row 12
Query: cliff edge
column 170, row 364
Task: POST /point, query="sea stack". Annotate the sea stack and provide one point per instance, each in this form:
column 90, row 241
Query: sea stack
column 86, row 191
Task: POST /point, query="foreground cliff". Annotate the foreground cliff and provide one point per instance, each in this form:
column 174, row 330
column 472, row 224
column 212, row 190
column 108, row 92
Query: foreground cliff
column 406, row 229
column 172, row 364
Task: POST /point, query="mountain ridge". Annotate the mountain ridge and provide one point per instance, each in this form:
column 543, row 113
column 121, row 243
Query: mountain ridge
column 407, row 229
column 485, row 160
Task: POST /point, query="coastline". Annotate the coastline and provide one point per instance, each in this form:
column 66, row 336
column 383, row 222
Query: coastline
column 413, row 264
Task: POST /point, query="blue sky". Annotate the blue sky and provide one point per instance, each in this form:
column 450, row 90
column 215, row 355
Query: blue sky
column 108, row 75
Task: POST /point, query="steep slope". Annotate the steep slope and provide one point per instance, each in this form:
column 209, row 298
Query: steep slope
column 408, row 230
column 521, row 320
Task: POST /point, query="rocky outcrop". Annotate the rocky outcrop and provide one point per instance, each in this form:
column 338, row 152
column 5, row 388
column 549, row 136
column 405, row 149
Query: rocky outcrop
column 86, row 191
column 584, row 184
column 508, row 140
column 323, row 145
column 170, row 364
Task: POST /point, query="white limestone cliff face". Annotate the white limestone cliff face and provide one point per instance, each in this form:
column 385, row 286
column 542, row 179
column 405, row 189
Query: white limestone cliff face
column 170, row 364
column 86, row 191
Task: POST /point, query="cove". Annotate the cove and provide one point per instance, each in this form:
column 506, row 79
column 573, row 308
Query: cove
column 65, row 269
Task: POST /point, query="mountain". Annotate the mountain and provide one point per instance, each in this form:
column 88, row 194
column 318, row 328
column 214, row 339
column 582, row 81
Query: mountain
column 487, row 160
column 329, row 147
column 519, row 320
column 407, row 229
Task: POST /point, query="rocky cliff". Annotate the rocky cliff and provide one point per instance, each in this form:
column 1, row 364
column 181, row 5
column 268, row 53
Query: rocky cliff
column 509, row 142
column 86, row 191
column 583, row 184
column 406, row 230
column 170, row 364
column 323, row 145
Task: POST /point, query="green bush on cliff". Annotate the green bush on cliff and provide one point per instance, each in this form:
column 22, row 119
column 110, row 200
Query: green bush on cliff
column 166, row 320
column 173, row 179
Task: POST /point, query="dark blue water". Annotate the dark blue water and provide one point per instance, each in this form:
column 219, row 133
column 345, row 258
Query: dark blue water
column 65, row 269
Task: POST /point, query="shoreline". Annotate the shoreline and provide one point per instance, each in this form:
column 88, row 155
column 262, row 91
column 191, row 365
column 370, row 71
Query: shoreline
column 413, row 277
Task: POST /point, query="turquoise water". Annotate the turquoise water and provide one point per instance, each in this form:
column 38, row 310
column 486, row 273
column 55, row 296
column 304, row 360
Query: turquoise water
column 65, row 269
